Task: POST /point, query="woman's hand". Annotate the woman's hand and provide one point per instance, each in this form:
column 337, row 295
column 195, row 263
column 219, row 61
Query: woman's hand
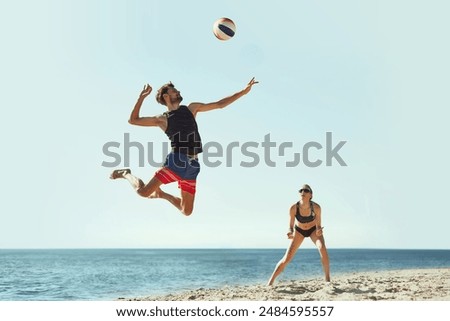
column 290, row 235
column 319, row 231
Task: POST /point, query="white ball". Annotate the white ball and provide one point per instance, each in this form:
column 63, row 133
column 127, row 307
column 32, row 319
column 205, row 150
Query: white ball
column 224, row 28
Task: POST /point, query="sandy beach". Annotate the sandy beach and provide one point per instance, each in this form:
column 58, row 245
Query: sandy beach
column 401, row 285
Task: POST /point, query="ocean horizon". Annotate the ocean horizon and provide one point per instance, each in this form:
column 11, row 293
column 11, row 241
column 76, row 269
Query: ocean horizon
column 109, row 274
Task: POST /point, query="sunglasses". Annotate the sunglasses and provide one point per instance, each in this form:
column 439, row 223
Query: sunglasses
column 304, row 190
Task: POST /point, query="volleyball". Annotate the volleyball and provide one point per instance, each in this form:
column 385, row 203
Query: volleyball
column 224, row 28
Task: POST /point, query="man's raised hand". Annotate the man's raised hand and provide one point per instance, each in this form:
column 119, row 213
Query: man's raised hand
column 146, row 91
column 249, row 85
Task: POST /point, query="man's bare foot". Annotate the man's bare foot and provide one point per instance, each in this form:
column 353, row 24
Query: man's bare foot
column 156, row 194
column 119, row 173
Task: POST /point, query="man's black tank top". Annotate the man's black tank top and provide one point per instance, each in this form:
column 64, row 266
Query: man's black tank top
column 183, row 132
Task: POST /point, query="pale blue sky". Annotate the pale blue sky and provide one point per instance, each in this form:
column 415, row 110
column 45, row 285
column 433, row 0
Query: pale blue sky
column 374, row 73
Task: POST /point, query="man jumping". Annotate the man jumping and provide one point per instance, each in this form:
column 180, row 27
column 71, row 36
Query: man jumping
column 181, row 164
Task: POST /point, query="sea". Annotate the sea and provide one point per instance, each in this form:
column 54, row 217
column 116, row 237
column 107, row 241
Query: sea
column 109, row 274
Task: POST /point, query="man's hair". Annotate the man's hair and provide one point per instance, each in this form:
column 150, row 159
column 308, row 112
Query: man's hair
column 163, row 90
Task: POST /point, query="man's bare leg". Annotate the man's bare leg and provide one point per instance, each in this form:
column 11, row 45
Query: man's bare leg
column 159, row 193
column 135, row 182
column 185, row 204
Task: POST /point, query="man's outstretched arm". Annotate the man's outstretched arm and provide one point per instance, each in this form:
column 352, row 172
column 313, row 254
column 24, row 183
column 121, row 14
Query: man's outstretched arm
column 200, row 107
column 135, row 119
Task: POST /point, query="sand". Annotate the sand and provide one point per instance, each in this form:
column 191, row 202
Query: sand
column 400, row 285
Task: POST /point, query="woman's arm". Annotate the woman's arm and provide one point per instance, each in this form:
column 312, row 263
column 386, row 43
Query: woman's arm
column 290, row 233
column 318, row 212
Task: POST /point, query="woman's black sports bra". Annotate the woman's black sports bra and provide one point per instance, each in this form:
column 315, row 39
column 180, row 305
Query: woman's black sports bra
column 305, row 219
